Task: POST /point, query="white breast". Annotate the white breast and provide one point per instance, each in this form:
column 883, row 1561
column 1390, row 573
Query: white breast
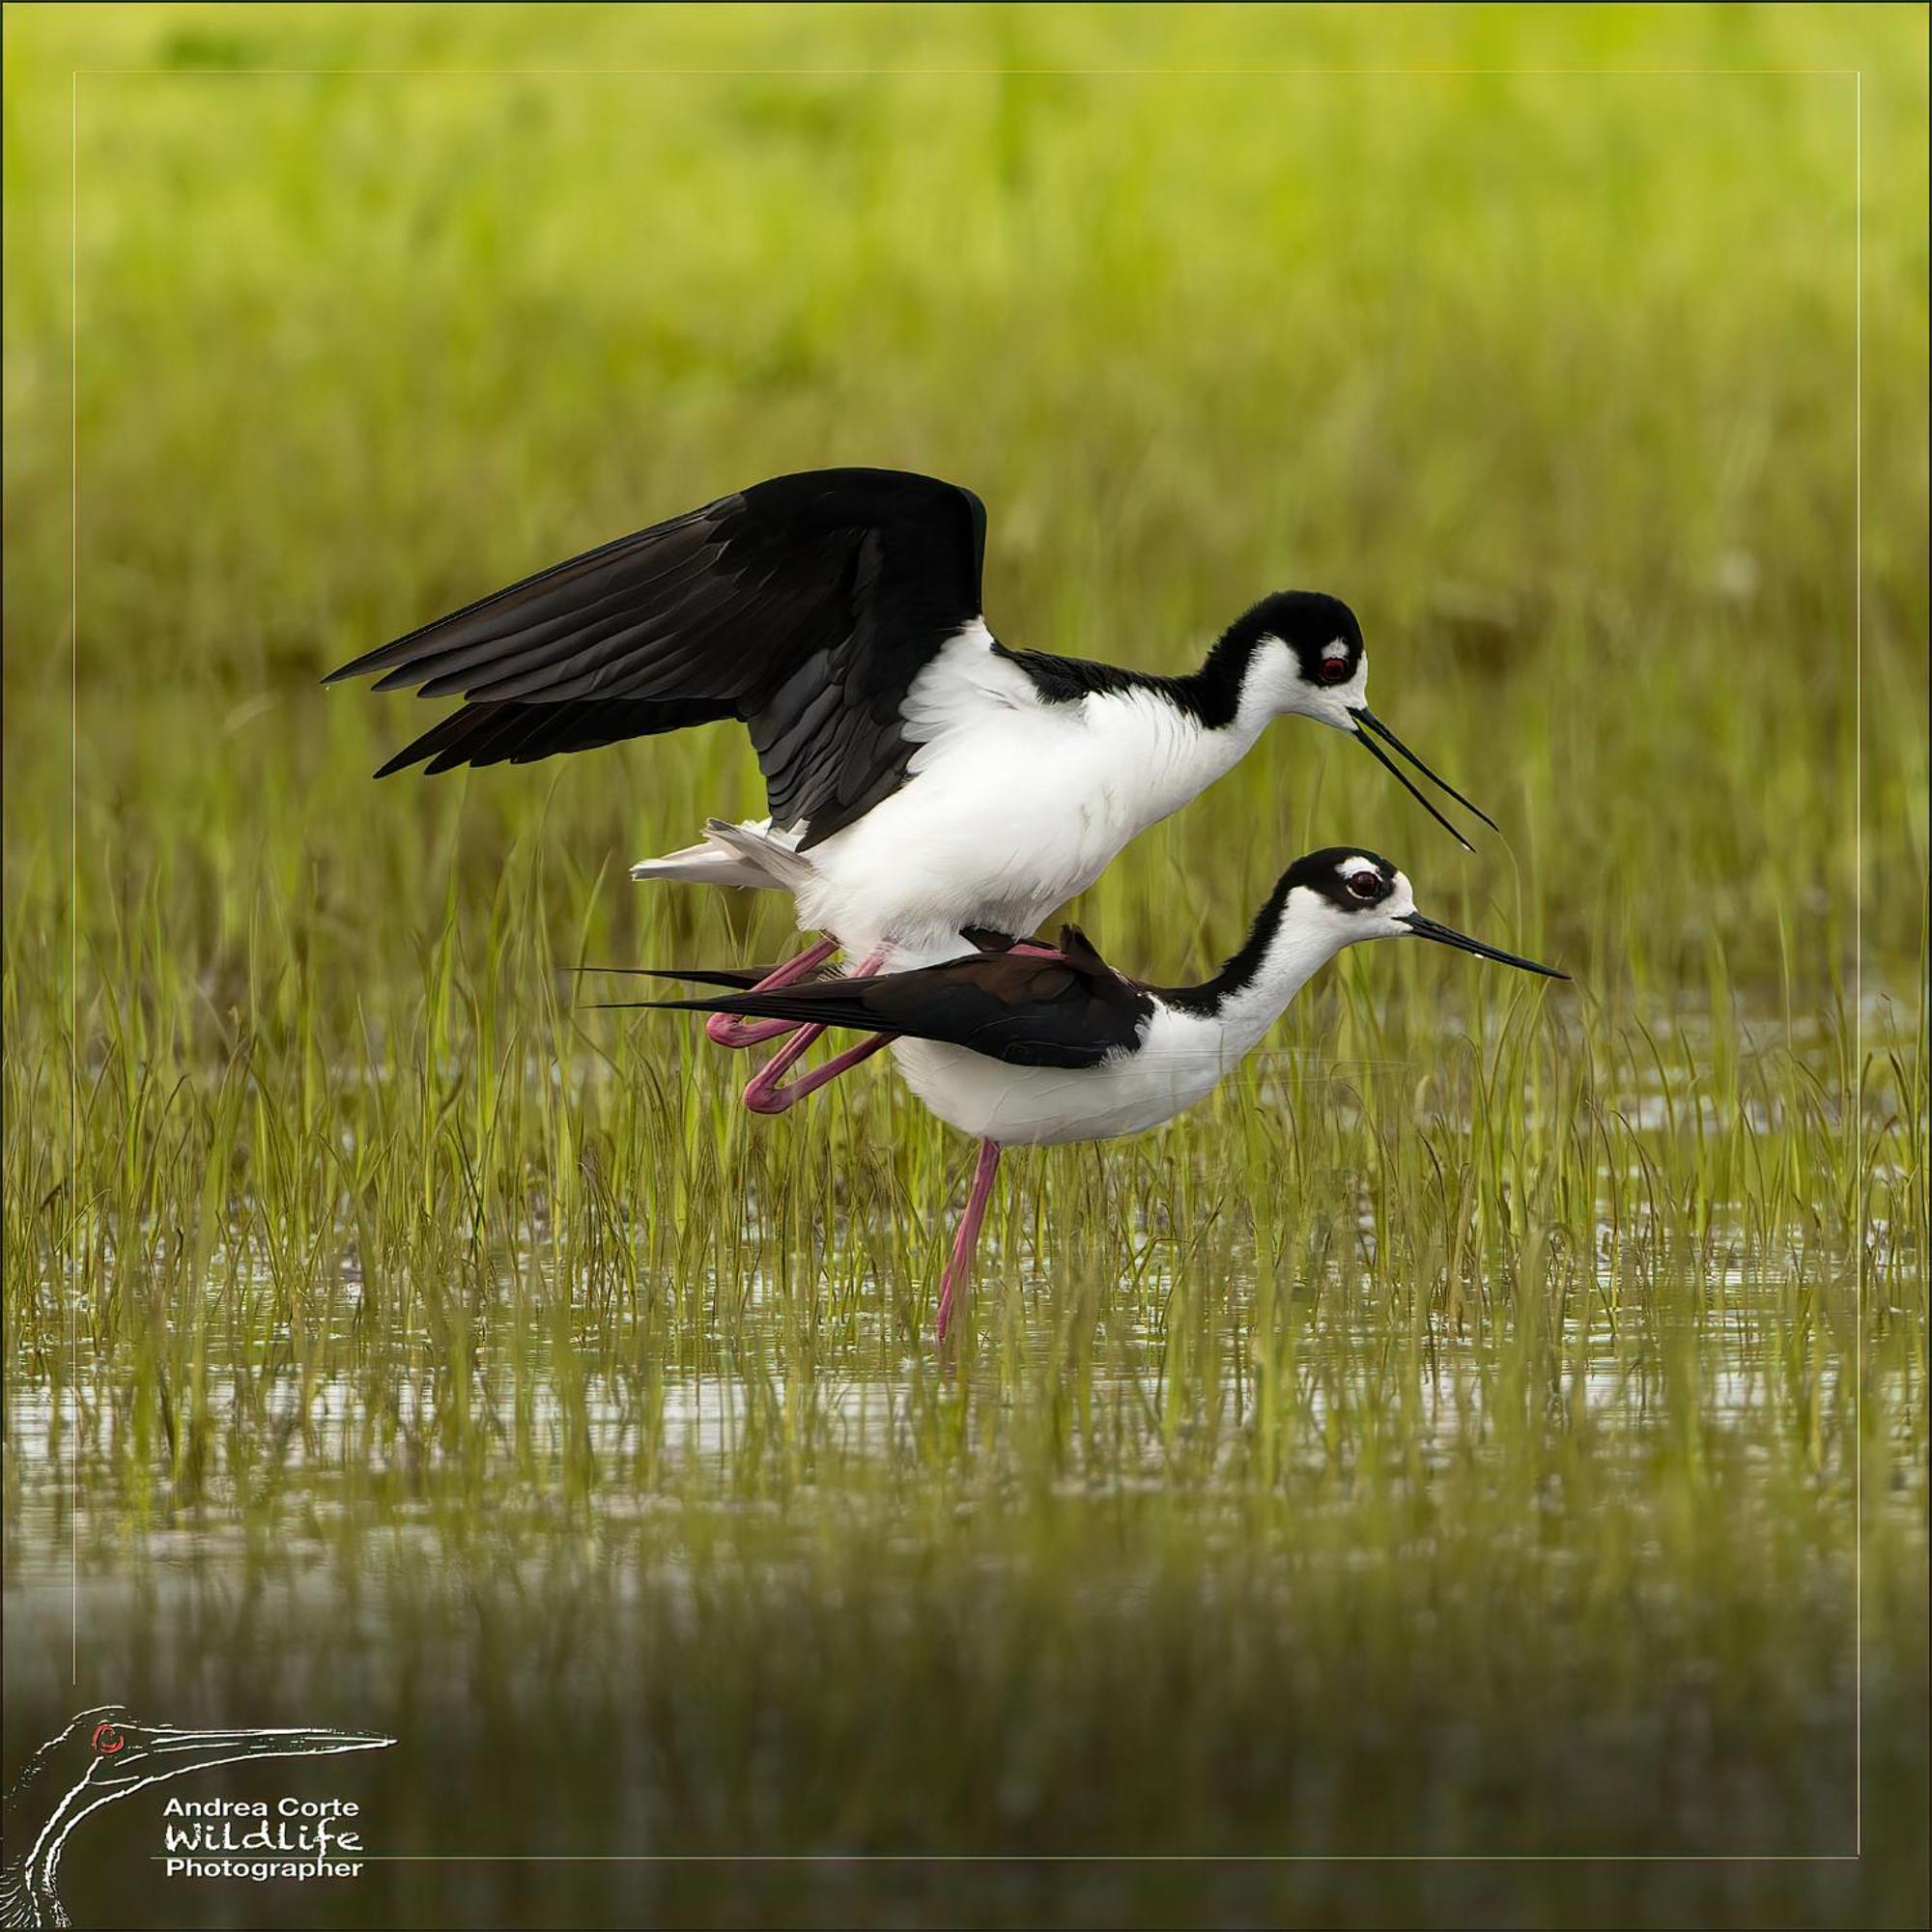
column 1180, row 1061
column 1013, row 806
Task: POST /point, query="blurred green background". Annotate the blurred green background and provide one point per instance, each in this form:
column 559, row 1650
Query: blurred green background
column 1450, row 1442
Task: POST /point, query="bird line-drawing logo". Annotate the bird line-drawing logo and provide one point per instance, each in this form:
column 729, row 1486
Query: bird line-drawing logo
column 105, row 1754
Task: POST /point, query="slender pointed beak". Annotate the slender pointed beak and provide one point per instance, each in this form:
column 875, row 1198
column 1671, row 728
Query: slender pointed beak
column 161, row 1750
column 1447, row 935
column 288, row 1743
column 1366, row 721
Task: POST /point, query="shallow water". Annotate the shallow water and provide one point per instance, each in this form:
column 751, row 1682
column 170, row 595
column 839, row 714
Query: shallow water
column 1200, row 1548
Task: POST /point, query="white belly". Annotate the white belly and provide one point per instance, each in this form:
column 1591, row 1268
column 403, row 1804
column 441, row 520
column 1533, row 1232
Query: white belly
column 1180, row 1062
column 1001, row 821
column 939, row 855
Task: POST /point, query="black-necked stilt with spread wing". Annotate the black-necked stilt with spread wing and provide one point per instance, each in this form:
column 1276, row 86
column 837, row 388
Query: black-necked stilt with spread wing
column 1035, row 1046
column 933, row 779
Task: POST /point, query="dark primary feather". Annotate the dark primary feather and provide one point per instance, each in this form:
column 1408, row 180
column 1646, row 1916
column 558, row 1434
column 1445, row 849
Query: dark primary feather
column 804, row 606
column 1069, row 1009
column 495, row 734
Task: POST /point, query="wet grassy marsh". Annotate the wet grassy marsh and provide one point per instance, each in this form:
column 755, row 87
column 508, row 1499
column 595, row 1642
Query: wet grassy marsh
column 1494, row 1425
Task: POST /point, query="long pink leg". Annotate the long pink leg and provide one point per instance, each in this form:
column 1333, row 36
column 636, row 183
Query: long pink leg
column 965, row 1244
column 765, row 1094
column 767, row 1098
column 729, row 1030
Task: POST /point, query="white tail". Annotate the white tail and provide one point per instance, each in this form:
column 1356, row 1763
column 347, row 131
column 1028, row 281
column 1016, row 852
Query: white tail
column 750, row 855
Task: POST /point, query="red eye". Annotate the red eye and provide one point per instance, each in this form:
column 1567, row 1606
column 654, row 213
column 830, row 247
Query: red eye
column 1334, row 671
column 106, row 1739
column 1365, row 884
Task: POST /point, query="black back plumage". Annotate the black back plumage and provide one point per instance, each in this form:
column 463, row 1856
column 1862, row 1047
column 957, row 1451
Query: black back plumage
column 804, row 606
column 1310, row 623
column 1068, row 1009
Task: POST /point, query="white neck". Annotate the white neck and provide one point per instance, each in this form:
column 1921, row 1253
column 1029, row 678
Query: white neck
column 1309, row 934
column 1272, row 687
column 1188, row 757
column 1170, row 757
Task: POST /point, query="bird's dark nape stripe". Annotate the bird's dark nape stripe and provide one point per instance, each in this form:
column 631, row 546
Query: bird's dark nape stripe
column 1238, row 969
column 1317, row 871
column 1305, row 621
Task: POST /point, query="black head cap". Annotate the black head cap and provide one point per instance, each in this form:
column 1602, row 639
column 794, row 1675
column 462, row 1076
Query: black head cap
column 1320, row 630
column 1346, row 875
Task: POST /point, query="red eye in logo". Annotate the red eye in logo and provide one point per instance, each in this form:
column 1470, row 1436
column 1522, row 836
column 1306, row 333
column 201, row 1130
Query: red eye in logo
column 108, row 1740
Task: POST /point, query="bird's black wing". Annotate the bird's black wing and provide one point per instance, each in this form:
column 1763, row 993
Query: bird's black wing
column 805, row 606
column 1026, row 1008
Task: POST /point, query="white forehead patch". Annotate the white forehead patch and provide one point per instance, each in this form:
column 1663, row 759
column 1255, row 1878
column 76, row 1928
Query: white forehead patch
column 1335, row 653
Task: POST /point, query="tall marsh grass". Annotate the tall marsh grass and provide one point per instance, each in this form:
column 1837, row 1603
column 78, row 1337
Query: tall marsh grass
column 1495, row 1425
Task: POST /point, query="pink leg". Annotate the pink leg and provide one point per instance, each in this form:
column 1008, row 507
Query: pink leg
column 729, row 1030
column 766, row 1095
column 959, row 1269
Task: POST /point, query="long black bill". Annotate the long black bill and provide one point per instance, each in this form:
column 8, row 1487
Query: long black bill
column 1366, row 721
column 1447, row 935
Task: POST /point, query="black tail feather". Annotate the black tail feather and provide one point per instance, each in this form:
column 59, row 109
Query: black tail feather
column 743, row 978
column 832, row 1003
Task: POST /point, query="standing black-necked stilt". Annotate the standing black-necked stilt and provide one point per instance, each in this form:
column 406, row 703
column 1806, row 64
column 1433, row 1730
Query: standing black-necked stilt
column 933, row 779
column 105, row 1755
column 1039, row 1047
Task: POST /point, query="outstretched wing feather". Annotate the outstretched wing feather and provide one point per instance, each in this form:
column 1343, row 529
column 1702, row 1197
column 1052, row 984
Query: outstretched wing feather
column 804, row 606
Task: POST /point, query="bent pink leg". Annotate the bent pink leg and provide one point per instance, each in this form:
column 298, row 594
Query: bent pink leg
column 965, row 1244
column 766, row 1095
column 729, row 1030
